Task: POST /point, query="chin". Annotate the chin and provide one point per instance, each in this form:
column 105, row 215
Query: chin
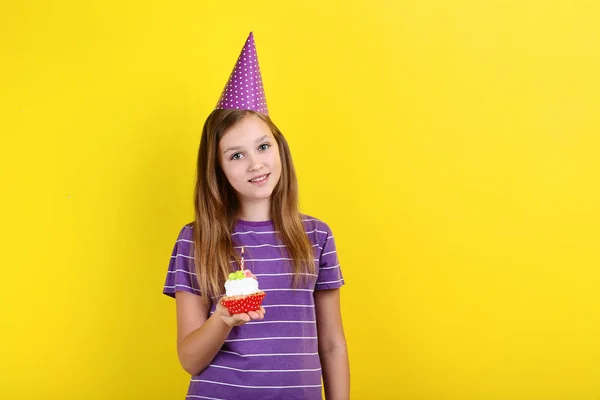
column 262, row 195
column 254, row 196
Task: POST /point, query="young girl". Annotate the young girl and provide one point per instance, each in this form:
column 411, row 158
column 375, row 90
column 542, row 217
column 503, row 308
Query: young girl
column 246, row 196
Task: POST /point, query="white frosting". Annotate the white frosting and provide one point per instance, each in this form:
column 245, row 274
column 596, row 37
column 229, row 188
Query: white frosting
column 240, row 287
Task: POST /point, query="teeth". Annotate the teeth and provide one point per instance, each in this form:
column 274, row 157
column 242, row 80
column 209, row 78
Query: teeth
column 259, row 179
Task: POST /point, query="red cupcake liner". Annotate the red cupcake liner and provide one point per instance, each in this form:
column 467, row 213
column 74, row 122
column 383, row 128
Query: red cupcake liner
column 243, row 304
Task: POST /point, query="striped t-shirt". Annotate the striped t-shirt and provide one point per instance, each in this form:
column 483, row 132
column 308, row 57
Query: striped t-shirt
column 273, row 358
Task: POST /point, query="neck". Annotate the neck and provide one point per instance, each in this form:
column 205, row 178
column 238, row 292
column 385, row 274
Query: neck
column 255, row 211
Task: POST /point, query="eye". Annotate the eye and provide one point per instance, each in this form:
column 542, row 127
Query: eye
column 235, row 156
column 264, row 146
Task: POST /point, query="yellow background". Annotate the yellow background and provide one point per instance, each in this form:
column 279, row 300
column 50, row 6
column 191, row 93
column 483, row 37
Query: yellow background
column 452, row 146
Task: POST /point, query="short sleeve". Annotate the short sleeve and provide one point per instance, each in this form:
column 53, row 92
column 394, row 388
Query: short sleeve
column 330, row 273
column 181, row 275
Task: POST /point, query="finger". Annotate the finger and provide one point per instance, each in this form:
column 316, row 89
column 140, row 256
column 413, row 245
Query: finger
column 262, row 310
column 224, row 309
column 242, row 317
column 253, row 314
column 234, row 321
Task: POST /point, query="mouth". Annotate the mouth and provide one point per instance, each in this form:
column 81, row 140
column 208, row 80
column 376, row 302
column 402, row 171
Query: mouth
column 261, row 179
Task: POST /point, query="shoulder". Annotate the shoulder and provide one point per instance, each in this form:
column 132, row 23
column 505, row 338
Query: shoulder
column 186, row 232
column 314, row 224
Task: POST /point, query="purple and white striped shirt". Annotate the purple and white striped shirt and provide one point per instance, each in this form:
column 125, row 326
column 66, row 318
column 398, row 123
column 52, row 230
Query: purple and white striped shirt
column 273, row 358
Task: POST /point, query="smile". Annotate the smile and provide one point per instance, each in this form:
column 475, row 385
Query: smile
column 260, row 179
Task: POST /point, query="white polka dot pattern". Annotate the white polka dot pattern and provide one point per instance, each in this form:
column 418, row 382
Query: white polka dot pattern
column 244, row 89
column 243, row 304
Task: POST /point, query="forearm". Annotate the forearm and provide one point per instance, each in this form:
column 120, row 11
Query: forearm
column 336, row 373
column 199, row 348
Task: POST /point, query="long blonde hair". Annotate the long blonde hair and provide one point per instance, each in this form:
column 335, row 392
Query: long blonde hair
column 216, row 208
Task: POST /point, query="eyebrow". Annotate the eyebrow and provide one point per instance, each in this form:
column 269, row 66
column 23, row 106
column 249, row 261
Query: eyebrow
column 260, row 139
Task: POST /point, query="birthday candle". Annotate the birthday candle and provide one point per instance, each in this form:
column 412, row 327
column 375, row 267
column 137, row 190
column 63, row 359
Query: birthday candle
column 242, row 263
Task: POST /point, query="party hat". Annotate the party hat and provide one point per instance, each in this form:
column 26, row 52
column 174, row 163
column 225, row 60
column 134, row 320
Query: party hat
column 244, row 89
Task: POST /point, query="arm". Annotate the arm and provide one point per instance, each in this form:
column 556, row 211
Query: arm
column 200, row 337
column 332, row 345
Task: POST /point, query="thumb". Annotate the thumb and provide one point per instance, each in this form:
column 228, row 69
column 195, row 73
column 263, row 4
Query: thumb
column 224, row 311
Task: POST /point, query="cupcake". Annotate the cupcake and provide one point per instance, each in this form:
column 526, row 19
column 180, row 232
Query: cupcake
column 241, row 291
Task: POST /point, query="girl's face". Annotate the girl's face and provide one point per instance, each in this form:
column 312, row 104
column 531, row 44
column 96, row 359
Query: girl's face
column 249, row 157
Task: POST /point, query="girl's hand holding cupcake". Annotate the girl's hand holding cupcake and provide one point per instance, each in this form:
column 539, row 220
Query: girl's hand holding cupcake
column 238, row 319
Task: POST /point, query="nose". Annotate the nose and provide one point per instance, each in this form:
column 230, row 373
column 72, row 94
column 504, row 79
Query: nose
column 254, row 163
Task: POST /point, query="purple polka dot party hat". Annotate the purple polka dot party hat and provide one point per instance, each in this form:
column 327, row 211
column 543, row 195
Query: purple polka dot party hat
column 244, row 89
